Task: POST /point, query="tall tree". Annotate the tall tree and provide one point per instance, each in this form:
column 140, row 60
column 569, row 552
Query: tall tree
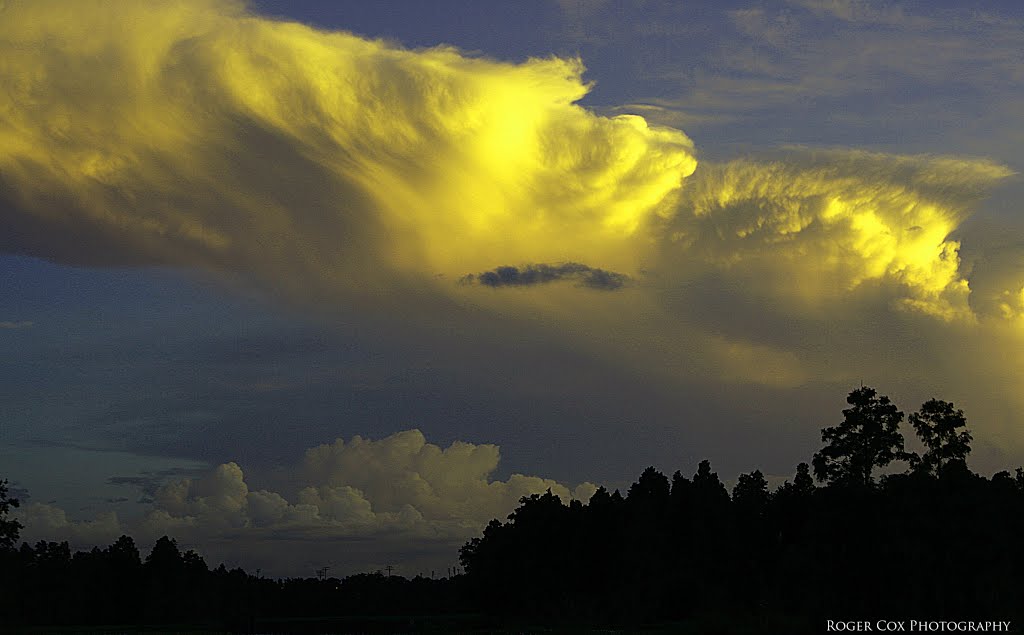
column 123, row 553
column 751, row 492
column 708, row 489
column 652, row 490
column 868, row 437
column 803, row 484
column 9, row 529
column 942, row 429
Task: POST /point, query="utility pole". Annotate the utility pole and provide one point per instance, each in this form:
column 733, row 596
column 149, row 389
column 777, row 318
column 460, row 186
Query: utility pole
column 389, row 569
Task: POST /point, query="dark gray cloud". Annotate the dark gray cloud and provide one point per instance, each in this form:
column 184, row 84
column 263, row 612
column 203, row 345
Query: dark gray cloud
column 542, row 273
column 9, row 324
column 149, row 481
column 19, row 493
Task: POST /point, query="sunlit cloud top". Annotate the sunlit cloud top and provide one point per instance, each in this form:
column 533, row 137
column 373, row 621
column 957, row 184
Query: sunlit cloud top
column 477, row 243
column 195, row 133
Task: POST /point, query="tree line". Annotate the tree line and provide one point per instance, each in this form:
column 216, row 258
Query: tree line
column 934, row 540
column 47, row 584
column 850, row 535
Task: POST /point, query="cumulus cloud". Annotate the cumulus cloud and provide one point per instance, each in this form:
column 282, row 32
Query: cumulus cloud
column 403, row 469
column 997, row 283
column 148, row 483
column 47, row 522
column 842, row 266
column 399, row 489
column 816, row 226
column 509, row 276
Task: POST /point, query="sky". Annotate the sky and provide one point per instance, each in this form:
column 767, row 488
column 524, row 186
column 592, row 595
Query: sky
column 310, row 284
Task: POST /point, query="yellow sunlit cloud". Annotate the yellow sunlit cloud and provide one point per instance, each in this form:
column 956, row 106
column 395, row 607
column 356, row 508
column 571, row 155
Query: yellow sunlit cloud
column 325, row 166
column 196, row 133
column 819, row 225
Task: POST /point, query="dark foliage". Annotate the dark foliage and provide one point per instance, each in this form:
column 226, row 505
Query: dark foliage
column 868, row 437
column 9, row 529
column 937, row 541
column 46, row 584
column 938, row 424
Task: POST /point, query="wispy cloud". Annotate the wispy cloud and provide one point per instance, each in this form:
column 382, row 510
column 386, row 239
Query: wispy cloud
column 23, row 324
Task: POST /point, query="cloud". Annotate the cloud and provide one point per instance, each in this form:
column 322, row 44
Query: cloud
column 862, row 12
column 194, row 133
column 150, row 482
column 24, row 324
column 509, row 276
column 19, row 493
column 891, row 76
column 329, row 169
column 403, row 469
column 997, row 283
column 843, row 266
column 816, row 226
column 815, row 270
column 46, row 522
column 950, row 49
column 399, row 491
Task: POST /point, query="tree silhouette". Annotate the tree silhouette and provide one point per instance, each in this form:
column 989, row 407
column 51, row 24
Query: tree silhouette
column 803, row 484
column 671, row 551
column 165, row 555
column 707, row 487
column 801, row 487
column 938, row 425
column 9, row 529
column 868, row 437
column 651, row 490
column 751, row 492
column 123, row 553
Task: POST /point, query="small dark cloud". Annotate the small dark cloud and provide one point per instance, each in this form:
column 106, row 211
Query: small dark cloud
column 149, row 482
column 20, row 493
column 23, row 324
column 527, row 275
column 119, row 499
column 51, row 443
column 137, row 481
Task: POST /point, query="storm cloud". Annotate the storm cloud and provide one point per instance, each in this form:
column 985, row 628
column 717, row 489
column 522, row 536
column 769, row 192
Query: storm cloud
column 198, row 134
column 341, row 175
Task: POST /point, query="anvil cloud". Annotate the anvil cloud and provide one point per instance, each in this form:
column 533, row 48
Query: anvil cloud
column 341, row 174
column 194, row 133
